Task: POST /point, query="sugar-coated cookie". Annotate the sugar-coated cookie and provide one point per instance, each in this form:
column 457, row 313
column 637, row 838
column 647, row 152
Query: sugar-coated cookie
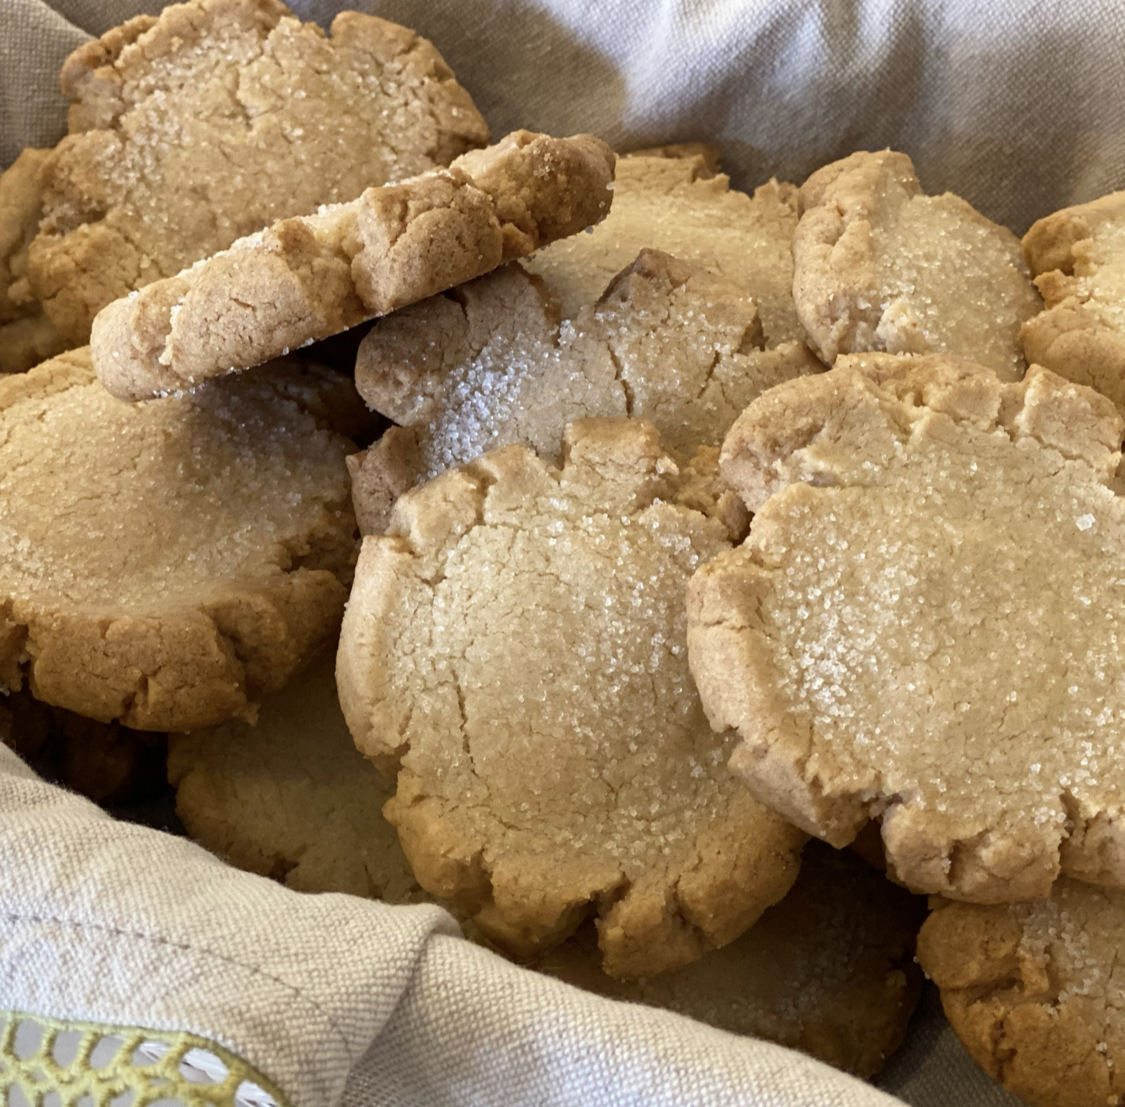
column 309, row 277
column 166, row 564
column 1077, row 257
column 679, row 205
column 829, row 970
column 27, row 336
column 886, row 642
column 194, row 128
column 516, row 643
column 490, row 363
column 1036, row 991
column 879, row 265
column 291, row 797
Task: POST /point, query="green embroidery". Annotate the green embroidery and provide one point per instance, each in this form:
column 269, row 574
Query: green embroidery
column 89, row 1065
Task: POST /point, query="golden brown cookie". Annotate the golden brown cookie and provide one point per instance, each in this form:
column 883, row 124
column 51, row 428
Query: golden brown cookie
column 829, row 970
column 291, row 797
column 1035, row 991
column 516, row 643
column 490, row 363
column 887, row 641
column 217, row 118
column 1077, row 257
column 878, row 265
column 309, row 277
column 680, row 206
column 27, row 336
column 167, row 564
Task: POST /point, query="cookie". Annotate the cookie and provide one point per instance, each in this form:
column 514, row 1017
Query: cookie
column 27, row 336
column 1034, row 990
column 167, row 564
column 829, row 970
column 490, row 363
column 680, row 206
column 1077, row 257
column 883, row 642
column 291, row 797
column 105, row 762
column 309, row 277
column 879, row 265
column 516, row 644
column 207, row 123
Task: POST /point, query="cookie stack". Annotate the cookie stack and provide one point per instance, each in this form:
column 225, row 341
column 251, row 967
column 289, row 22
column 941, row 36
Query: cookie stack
column 718, row 527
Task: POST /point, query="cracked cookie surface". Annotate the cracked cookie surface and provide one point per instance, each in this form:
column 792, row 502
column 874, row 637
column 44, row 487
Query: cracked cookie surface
column 680, row 206
column 516, row 644
column 829, row 970
column 1077, row 257
column 309, row 277
column 880, row 266
column 166, row 564
column 491, row 363
column 27, row 336
column 884, row 641
column 1036, row 991
column 209, row 122
column 291, row 797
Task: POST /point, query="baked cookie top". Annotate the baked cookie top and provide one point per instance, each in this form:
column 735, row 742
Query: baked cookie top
column 829, row 970
column 516, row 643
column 491, row 364
column 878, row 265
column 194, row 128
column 165, row 564
column 1035, row 990
column 26, row 334
column 680, row 206
column 291, row 797
column 1077, row 257
column 309, row 277
column 884, row 642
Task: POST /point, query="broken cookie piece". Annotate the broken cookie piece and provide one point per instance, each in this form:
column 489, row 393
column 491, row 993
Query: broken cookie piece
column 515, row 644
column 883, row 641
column 310, row 277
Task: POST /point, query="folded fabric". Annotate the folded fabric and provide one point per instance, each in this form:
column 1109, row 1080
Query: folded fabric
column 327, row 998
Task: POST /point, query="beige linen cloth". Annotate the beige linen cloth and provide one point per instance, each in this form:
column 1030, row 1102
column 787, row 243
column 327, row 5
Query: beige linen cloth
column 1016, row 106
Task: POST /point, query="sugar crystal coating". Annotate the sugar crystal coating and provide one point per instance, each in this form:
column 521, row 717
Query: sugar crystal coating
column 165, row 564
column 490, row 364
column 880, row 266
column 205, row 124
column 1036, row 991
column 884, row 641
column 1077, row 256
column 517, row 642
